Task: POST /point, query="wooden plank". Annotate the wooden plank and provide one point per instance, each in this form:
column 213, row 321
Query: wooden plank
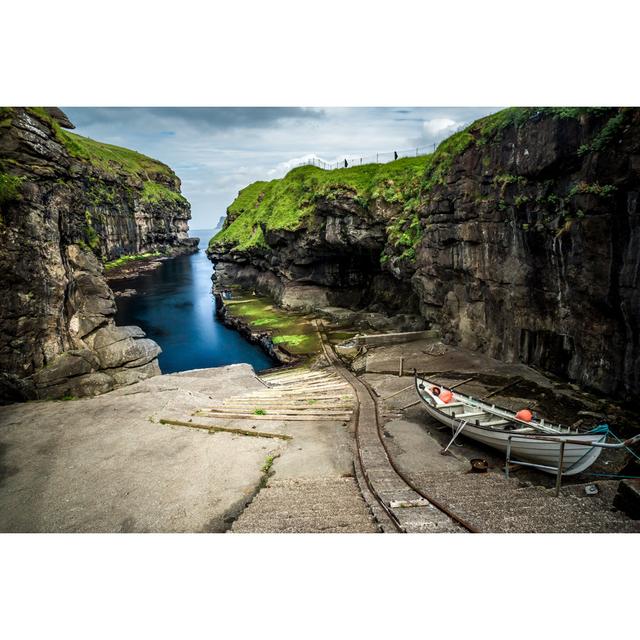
column 459, row 384
column 279, row 406
column 251, row 409
column 309, row 381
column 272, row 418
column 397, row 393
column 243, row 432
column 299, row 395
column 513, row 383
column 283, row 412
column 311, row 388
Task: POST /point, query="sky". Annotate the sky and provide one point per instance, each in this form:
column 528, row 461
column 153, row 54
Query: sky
column 219, row 150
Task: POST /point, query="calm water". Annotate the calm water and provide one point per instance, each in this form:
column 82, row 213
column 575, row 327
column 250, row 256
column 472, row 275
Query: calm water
column 174, row 306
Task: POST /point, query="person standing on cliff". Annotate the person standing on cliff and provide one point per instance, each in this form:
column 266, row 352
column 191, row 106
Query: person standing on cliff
column 346, row 164
column 395, row 155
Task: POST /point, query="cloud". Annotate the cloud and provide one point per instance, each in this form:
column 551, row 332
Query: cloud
column 218, row 151
column 440, row 126
column 158, row 119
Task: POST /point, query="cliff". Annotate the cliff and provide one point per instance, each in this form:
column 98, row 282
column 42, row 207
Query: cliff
column 69, row 204
column 519, row 237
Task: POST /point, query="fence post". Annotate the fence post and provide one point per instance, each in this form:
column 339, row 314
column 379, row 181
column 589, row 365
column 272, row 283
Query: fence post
column 559, row 474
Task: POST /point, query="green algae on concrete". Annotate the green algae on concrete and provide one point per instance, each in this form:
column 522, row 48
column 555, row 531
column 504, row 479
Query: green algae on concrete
column 293, row 331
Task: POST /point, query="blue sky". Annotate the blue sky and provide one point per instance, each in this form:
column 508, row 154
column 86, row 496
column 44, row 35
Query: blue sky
column 217, row 151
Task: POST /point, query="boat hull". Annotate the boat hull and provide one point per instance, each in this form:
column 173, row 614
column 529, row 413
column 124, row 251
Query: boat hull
column 544, row 453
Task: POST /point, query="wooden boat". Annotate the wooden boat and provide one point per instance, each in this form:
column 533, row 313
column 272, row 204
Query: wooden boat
column 535, row 443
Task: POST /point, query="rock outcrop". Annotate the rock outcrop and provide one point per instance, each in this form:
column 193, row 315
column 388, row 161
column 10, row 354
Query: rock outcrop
column 520, row 239
column 67, row 205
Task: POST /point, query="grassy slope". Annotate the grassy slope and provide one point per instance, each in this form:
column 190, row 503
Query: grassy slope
column 115, row 161
column 287, row 203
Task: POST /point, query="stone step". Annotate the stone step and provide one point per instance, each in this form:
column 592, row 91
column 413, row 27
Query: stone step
column 307, row 505
column 493, row 503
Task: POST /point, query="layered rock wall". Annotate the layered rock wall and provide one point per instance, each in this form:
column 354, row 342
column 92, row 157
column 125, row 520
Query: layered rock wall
column 61, row 216
column 521, row 241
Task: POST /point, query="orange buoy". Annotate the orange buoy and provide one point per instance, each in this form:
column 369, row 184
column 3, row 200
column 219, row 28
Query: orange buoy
column 446, row 396
column 525, row 415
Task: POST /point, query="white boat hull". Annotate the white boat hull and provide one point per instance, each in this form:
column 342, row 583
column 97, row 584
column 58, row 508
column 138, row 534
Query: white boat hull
column 526, row 447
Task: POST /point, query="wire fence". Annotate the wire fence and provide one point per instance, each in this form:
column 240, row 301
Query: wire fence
column 379, row 158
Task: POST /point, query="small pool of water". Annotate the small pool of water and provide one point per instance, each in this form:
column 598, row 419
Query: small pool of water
column 173, row 304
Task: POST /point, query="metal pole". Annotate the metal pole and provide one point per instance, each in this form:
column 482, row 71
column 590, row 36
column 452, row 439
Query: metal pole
column 559, row 476
column 401, row 370
column 506, row 467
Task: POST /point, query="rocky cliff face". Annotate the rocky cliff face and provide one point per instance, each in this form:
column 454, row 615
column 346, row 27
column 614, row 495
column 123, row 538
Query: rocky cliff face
column 67, row 205
column 521, row 239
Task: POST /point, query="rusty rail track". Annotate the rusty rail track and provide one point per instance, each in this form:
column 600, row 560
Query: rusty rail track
column 408, row 508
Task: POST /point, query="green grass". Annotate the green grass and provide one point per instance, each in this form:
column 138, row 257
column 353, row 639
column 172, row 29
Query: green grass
column 260, row 412
column 268, row 463
column 288, row 203
column 10, row 187
column 118, row 262
column 92, row 238
column 609, row 132
column 158, row 192
column 116, row 161
column 113, row 159
column 486, row 128
column 596, row 189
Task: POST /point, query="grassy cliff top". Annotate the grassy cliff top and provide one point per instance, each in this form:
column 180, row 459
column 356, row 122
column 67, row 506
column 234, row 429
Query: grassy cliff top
column 289, row 202
column 158, row 181
column 110, row 158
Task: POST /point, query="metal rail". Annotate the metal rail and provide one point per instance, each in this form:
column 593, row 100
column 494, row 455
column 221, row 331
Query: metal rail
column 352, row 380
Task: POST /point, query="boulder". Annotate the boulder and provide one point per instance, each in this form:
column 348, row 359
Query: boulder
column 90, row 384
column 68, row 364
column 60, row 117
column 130, row 375
column 106, row 336
column 129, row 352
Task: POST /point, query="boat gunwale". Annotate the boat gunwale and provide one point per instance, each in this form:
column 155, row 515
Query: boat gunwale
column 530, row 436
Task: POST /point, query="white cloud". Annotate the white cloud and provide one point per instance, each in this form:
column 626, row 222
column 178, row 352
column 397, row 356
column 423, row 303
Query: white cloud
column 440, row 127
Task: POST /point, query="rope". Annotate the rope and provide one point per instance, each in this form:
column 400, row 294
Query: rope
column 600, row 429
column 613, row 475
column 631, row 451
